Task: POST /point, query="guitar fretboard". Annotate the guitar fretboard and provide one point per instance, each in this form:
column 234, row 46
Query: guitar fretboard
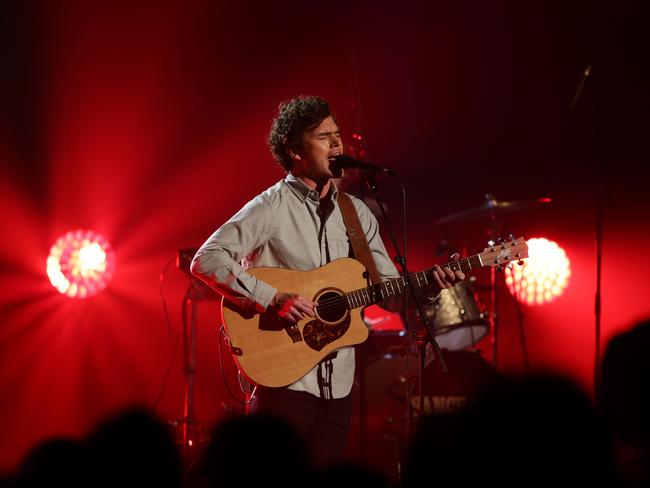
column 396, row 286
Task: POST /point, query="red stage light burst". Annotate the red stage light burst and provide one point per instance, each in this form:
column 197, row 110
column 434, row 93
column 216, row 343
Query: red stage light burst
column 80, row 264
column 544, row 275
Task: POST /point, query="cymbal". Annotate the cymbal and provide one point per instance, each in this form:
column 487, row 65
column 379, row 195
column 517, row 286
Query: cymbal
column 492, row 207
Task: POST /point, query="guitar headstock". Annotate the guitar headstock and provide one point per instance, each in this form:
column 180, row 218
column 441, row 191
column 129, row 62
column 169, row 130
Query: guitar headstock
column 504, row 252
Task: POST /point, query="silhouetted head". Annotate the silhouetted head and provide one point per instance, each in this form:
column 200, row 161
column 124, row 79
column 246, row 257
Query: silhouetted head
column 254, row 450
column 55, row 462
column 624, row 400
column 625, row 386
column 135, row 447
column 519, row 431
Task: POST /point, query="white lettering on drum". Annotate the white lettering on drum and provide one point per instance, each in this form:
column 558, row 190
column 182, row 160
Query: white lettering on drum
column 440, row 404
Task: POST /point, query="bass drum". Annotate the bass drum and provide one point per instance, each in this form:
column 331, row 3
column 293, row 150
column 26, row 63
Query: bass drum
column 444, row 393
column 456, row 317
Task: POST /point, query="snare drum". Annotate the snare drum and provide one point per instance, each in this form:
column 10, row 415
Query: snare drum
column 456, row 317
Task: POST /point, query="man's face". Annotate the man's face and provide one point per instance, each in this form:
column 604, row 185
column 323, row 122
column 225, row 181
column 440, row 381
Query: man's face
column 319, row 145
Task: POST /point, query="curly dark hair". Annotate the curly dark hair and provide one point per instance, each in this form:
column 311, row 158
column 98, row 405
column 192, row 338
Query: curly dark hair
column 295, row 117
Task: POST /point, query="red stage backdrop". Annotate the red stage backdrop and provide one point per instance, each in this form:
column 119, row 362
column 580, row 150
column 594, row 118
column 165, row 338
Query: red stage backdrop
column 146, row 123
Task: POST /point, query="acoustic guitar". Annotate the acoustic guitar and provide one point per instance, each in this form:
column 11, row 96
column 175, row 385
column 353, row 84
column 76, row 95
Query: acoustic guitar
column 274, row 352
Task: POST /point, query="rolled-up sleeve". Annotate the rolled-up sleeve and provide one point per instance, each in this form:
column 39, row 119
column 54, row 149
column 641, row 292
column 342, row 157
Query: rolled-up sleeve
column 217, row 262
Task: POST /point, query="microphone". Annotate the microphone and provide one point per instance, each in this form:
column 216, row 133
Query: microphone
column 343, row 161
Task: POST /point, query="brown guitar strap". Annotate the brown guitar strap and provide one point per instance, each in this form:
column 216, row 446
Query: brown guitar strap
column 357, row 237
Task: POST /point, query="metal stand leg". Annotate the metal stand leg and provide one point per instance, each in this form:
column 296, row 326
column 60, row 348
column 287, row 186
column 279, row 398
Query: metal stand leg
column 193, row 436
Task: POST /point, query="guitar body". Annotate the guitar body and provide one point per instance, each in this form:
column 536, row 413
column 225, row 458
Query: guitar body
column 273, row 352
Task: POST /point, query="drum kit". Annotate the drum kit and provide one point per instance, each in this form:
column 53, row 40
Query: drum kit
column 458, row 320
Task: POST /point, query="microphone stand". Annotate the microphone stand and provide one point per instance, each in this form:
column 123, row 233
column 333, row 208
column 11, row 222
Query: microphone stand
column 427, row 336
column 193, row 434
column 599, row 216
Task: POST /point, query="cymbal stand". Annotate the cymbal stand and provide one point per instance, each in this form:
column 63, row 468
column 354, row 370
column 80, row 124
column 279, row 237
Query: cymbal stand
column 494, row 317
column 492, row 232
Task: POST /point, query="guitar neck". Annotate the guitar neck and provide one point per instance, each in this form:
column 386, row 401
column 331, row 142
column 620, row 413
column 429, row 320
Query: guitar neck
column 397, row 286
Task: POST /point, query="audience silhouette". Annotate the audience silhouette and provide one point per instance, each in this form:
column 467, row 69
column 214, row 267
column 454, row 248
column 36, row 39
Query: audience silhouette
column 134, row 446
column 56, row 462
column 518, row 431
column 253, row 450
column 624, row 401
column 131, row 448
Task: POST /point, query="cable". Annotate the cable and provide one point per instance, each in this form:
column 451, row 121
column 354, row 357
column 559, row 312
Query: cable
column 163, row 385
column 170, row 329
column 162, row 296
column 222, row 334
column 241, row 377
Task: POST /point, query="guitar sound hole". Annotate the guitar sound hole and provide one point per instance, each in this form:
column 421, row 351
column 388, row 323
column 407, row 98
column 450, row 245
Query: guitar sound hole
column 331, row 306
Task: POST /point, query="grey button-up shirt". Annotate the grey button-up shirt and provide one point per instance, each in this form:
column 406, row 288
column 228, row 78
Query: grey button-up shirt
column 282, row 227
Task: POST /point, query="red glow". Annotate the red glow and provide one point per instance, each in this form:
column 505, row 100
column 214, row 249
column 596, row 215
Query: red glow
column 543, row 276
column 80, row 264
column 379, row 320
column 145, row 121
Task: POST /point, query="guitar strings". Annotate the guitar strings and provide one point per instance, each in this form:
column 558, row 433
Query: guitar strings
column 365, row 293
column 348, row 300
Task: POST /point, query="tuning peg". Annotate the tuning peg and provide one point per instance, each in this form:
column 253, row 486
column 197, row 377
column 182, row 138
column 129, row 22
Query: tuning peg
column 490, row 243
column 499, row 268
column 511, row 237
column 520, row 262
column 500, row 240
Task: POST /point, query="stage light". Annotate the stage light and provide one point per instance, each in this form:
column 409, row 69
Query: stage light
column 80, row 264
column 544, row 275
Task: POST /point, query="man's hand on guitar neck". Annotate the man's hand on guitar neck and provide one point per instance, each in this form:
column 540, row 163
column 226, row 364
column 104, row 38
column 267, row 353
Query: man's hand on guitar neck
column 445, row 277
column 291, row 306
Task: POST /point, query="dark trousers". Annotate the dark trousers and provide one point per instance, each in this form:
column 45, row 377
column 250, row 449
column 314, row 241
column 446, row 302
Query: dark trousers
column 324, row 424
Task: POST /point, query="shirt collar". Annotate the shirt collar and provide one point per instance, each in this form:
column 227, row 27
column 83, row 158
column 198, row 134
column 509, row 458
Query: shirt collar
column 303, row 192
